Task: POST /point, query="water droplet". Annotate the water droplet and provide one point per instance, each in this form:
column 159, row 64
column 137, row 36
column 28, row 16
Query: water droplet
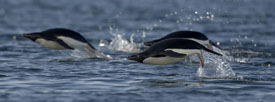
column 196, row 12
column 132, row 38
column 99, row 27
column 102, row 43
column 2, row 12
column 143, row 34
column 160, row 21
column 151, row 28
column 14, row 37
column 171, row 14
column 212, row 16
column 176, row 13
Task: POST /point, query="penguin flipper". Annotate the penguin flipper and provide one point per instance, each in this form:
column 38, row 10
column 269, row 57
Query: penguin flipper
column 91, row 51
column 64, row 44
column 91, row 46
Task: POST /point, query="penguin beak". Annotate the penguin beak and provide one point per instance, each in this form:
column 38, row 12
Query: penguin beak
column 32, row 36
column 132, row 58
column 148, row 43
column 137, row 57
column 28, row 36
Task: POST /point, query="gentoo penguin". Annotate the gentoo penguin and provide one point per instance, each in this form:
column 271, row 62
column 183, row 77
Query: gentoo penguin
column 60, row 39
column 192, row 35
column 171, row 50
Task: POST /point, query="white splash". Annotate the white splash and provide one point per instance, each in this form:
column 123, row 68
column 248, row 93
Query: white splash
column 220, row 64
column 119, row 43
column 200, row 72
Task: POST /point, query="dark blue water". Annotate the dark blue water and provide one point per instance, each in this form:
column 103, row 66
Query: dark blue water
column 244, row 29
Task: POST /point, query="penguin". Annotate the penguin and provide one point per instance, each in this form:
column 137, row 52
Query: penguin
column 171, row 50
column 191, row 35
column 61, row 39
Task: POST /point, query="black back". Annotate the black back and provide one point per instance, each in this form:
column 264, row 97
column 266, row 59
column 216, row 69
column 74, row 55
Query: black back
column 55, row 32
column 182, row 34
column 176, row 43
column 186, row 34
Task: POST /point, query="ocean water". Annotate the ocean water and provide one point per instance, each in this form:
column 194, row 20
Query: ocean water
column 244, row 29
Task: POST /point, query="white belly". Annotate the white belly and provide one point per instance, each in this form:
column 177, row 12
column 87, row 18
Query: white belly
column 49, row 44
column 161, row 60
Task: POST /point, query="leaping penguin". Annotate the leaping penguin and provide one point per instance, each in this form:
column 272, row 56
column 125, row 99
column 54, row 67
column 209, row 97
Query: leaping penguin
column 191, row 35
column 171, row 50
column 60, row 39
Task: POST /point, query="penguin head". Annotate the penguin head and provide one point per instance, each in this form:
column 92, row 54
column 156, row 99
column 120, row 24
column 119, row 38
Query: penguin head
column 32, row 36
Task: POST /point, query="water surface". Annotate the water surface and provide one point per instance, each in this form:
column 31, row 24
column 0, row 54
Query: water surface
column 242, row 28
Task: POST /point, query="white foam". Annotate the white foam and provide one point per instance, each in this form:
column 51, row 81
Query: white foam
column 119, row 43
column 200, row 72
column 220, row 64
